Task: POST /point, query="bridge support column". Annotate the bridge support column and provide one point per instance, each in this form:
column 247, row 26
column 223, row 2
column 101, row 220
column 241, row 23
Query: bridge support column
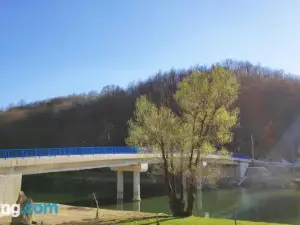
column 136, row 186
column 136, row 169
column 120, row 185
column 10, row 187
column 243, row 166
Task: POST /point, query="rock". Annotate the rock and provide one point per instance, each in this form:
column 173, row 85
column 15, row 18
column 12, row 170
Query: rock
column 22, row 219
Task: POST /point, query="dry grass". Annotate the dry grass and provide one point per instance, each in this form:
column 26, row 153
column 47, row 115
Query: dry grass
column 85, row 215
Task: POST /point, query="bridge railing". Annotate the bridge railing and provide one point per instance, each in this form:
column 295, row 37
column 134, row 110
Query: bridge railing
column 241, row 156
column 39, row 152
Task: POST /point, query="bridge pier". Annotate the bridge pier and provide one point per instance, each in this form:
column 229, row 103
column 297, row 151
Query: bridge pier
column 243, row 166
column 136, row 186
column 120, row 185
column 10, row 187
column 136, row 169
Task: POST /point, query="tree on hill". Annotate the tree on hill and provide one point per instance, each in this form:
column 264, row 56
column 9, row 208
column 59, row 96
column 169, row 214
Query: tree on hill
column 204, row 120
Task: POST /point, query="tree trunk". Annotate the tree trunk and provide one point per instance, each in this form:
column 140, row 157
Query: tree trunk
column 191, row 199
column 177, row 206
column 177, row 203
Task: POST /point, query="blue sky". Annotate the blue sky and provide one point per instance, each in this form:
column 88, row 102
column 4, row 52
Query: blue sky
column 53, row 48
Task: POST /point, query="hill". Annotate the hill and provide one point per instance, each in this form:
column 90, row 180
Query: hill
column 269, row 101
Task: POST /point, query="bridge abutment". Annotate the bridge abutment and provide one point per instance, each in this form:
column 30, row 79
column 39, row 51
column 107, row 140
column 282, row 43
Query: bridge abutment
column 243, row 166
column 10, row 187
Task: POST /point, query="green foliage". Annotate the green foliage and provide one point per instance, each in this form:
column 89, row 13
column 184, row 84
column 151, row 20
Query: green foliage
column 205, row 99
column 206, row 118
column 152, row 126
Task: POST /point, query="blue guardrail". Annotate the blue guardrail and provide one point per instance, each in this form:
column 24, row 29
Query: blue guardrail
column 241, row 156
column 39, row 152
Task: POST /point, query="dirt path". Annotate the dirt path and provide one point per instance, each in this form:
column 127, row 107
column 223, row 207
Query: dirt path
column 81, row 215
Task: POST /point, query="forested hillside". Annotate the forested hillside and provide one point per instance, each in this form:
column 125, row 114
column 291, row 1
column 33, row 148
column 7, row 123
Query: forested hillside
column 269, row 101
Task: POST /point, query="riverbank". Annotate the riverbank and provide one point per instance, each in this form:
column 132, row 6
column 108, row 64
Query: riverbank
column 277, row 206
column 176, row 221
column 193, row 220
column 84, row 215
column 70, row 215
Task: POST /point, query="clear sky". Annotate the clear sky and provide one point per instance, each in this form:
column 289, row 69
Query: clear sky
column 52, row 47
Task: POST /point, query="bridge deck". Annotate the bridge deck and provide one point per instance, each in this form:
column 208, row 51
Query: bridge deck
column 44, row 160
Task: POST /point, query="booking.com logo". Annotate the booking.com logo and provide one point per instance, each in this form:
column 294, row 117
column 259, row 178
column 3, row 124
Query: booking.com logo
column 14, row 210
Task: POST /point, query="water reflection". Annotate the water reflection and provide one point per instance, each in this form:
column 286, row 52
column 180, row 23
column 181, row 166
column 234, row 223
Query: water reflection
column 198, row 203
column 245, row 197
column 120, row 204
column 136, row 206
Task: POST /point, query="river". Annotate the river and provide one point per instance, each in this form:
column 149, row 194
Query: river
column 282, row 206
column 269, row 205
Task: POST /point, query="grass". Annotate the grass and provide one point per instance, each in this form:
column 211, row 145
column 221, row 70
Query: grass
column 191, row 221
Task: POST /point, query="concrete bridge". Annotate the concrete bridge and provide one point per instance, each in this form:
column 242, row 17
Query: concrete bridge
column 17, row 162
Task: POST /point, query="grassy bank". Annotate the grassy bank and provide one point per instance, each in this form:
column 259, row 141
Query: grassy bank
column 192, row 220
column 167, row 220
column 70, row 215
